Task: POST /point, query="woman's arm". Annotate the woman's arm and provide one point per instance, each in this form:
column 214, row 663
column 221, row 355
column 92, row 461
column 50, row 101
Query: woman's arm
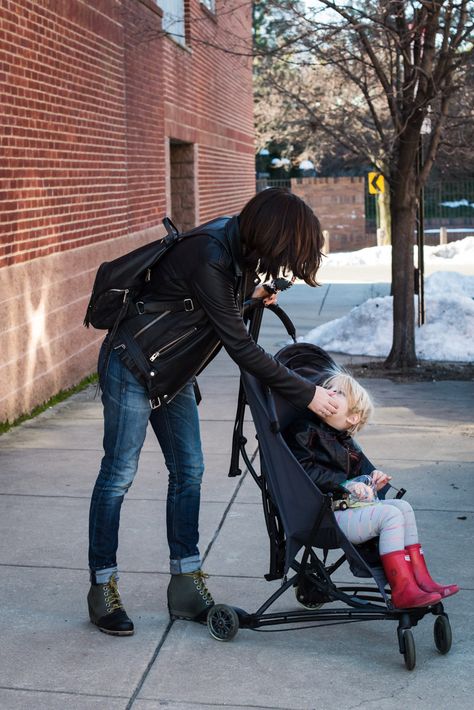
column 214, row 289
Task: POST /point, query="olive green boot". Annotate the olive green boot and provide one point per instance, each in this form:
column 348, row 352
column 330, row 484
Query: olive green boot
column 188, row 596
column 106, row 609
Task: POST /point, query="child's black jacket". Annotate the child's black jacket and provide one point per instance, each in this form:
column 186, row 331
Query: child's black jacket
column 328, row 456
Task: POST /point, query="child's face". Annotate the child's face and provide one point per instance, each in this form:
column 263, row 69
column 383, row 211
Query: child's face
column 343, row 419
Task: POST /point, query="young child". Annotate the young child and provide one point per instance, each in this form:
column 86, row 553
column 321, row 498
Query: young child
column 325, row 448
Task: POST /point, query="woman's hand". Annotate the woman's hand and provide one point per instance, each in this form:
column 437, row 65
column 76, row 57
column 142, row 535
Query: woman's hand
column 262, row 294
column 380, row 479
column 323, row 403
column 360, row 491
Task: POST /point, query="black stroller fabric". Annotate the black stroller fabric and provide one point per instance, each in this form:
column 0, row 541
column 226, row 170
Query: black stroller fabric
column 297, row 499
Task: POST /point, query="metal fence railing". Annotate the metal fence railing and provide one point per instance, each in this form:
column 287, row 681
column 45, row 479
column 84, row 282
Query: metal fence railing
column 447, row 203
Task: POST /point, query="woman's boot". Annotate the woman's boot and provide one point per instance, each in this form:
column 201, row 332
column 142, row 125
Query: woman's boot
column 423, row 577
column 406, row 594
column 188, row 596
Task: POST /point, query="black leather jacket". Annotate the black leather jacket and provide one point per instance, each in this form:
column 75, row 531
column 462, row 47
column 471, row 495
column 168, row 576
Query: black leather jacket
column 206, row 267
column 328, row 456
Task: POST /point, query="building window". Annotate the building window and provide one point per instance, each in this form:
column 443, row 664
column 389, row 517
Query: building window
column 210, row 4
column 173, row 19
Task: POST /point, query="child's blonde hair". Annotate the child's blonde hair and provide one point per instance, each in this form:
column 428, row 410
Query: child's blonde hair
column 358, row 399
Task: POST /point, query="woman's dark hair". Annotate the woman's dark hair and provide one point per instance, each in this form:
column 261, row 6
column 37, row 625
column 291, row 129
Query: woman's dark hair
column 281, row 234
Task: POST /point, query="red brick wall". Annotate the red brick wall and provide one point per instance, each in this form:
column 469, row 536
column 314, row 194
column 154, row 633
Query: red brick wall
column 63, row 126
column 209, row 102
column 340, row 205
column 91, row 92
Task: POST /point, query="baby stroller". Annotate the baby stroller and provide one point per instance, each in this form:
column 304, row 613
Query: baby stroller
column 300, row 518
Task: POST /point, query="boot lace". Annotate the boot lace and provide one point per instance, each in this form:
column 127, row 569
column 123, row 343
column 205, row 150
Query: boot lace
column 112, row 598
column 198, row 577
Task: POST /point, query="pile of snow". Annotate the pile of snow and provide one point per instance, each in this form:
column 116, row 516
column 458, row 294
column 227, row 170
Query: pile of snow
column 448, row 333
column 370, row 256
column 460, row 251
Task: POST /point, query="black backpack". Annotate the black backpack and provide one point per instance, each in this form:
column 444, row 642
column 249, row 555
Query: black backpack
column 118, row 282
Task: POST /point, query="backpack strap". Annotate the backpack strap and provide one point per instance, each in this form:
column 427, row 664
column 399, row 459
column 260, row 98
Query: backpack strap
column 187, row 304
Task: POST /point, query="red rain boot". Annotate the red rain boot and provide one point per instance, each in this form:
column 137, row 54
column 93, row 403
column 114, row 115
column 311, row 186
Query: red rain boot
column 423, row 577
column 406, row 594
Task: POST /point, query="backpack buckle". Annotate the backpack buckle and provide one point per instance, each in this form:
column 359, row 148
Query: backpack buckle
column 188, row 305
column 140, row 306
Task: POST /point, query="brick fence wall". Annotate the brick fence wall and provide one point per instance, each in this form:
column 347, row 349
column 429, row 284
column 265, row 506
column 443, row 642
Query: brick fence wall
column 92, row 94
column 339, row 203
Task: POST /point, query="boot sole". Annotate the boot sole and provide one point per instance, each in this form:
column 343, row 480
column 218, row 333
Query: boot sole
column 200, row 618
column 110, row 632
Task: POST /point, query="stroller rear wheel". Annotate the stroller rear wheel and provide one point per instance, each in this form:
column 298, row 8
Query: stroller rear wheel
column 442, row 633
column 306, row 601
column 222, row 622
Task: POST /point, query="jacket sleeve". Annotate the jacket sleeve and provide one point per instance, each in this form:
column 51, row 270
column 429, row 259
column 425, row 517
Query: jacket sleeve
column 328, row 476
column 366, row 466
column 213, row 286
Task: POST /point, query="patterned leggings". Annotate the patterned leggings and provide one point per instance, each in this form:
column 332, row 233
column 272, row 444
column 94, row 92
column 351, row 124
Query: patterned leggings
column 393, row 520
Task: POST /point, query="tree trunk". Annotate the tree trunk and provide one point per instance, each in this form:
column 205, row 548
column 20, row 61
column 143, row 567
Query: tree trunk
column 383, row 200
column 403, row 211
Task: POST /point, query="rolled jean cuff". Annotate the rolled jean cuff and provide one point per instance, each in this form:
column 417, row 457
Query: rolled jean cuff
column 101, row 576
column 187, row 564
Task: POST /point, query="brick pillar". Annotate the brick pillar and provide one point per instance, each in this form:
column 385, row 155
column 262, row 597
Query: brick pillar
column 340, row 206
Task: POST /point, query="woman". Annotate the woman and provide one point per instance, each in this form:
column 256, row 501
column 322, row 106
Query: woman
column 190, row 308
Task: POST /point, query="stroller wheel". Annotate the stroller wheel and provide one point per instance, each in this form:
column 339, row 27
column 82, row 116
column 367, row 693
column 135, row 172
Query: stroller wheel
column 222, row 622
column 304, row 601
column 409, row 653
column 443, row 636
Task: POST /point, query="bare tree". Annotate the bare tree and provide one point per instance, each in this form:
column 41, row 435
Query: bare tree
column 397, row 65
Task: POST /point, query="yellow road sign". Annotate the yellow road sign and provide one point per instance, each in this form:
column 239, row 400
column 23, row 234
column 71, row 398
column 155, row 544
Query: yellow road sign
column 376, row 183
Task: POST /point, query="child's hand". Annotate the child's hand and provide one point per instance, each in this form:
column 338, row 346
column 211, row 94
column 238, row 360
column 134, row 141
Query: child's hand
column 360, row 491
column 380, row 479
column 323, row 403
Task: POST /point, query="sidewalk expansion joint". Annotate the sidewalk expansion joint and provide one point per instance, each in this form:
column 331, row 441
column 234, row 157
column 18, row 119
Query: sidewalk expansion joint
column 171, row 621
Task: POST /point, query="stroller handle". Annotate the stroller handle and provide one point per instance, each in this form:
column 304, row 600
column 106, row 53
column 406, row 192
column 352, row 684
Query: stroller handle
column 252, row 313
column 253, row 304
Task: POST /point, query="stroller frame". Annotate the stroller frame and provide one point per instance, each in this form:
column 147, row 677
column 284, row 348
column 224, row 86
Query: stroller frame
column 362, row 602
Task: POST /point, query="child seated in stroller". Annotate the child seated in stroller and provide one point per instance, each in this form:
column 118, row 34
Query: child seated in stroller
column 325, row 448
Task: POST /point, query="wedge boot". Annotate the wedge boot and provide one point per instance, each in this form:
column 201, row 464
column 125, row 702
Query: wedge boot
column 423, row 577
column 406, row 594
column 188, row 596
column 106, row 609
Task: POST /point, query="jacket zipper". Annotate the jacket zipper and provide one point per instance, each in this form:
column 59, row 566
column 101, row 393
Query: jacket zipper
column 174, row 342
column 155, row 320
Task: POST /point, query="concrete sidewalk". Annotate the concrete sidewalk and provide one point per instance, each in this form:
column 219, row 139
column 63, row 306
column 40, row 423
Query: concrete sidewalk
column 52, row 657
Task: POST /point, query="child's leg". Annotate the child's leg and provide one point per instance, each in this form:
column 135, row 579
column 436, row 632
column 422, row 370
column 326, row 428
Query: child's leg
column 388, row 521
column 362, row 524
column 410, row 529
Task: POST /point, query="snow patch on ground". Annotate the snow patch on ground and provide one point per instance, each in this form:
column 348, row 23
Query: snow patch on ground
column 447, row 335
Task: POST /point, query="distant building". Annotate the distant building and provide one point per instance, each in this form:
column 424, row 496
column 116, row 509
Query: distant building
column 107, row 124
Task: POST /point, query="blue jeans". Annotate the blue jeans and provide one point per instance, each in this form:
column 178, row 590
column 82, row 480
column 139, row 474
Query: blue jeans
column 176, row 425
